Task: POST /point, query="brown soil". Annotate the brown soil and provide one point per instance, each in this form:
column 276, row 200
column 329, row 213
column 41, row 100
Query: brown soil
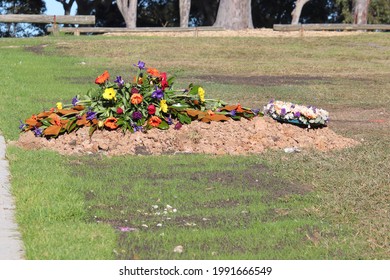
column 232, row 137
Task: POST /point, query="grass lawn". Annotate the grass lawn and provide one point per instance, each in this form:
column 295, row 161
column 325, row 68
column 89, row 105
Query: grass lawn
column 309, row 205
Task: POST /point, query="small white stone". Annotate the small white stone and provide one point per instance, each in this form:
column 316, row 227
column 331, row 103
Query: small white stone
column 155, row 206
column 159, row 225
column 178, row 249
column 144, row 225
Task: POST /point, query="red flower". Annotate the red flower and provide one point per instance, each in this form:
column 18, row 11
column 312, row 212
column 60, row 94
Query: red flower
column 151, row 109
column 119, row 111
column 134, row 90
column 164, row 82
column 102, row 78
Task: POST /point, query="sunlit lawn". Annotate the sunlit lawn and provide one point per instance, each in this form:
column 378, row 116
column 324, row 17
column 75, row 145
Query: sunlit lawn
column 310, row 205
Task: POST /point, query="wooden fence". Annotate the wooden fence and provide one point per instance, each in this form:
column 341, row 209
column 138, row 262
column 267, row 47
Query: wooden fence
column 331, row 27
column 49, row 19
column 96, row 30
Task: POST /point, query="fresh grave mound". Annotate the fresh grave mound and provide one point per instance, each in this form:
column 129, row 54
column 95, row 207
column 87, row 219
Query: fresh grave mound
column 230, row 137
column 149, row 116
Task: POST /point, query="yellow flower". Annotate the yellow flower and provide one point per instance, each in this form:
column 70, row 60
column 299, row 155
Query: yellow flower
column 100, row 124
column 201, row 94
column 59, row 105
column 163, row 105
column 109, row 93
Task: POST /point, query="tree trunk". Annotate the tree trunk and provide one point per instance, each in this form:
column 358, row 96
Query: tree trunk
column 234, row 14
column 296, row 13
column 185, row 6
column 360, row 11
column 67, row 6
column 128, row 9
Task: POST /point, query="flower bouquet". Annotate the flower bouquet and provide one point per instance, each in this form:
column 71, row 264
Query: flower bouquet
column 148, row 101
column 308, row 116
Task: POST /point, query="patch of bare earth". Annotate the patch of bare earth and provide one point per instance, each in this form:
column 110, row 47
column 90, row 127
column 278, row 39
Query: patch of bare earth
column 256, row 32
column 218, row 138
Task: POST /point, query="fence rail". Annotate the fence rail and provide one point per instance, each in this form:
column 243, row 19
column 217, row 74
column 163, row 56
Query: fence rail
column 22, row 18
column 78, row 30
column 335, row 26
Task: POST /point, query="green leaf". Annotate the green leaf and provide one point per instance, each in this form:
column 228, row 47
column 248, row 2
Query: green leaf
column 194, row 90
column 163, row 125
column 184, row 118
column 92, row 130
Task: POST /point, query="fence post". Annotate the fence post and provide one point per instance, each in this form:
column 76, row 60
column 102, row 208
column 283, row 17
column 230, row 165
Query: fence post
column 55, row 27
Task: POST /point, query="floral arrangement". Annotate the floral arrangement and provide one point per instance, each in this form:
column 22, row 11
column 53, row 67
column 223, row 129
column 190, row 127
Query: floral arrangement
column 309, row 116
column 148, row 101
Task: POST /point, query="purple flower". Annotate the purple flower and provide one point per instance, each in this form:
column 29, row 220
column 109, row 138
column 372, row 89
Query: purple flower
column 169, row 120
column 255, row 111
column 297, row 114
column 178, row 126
column 75, row 100
column 158, row 93
column 283, row 112
column 91, row 115
column 37, row 131
column 137, row 128
column 233, row 113
column 119, row 81
column 140, row 65
column 136, row 116
column 22, row 125
column 79, row 117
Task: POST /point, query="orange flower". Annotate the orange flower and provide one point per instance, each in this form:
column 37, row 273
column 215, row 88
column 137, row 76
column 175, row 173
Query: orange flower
column 111, row 123
column 140, row 81
column 239, row 109
column 210, row 113
column 154, row 121
column 102, row 78
column 136, row 98
column 153, row 72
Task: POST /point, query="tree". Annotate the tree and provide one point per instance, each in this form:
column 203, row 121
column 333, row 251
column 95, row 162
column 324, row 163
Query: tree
column 128, row 9
column 378, row 11
column 296, row 13
column 67, row 5
column 234, row 14
column 360, row 11
column 185, row 7
column 204, row 12
column 22, row 7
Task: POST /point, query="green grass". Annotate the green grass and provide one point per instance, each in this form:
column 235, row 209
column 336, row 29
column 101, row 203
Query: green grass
column 310, row 205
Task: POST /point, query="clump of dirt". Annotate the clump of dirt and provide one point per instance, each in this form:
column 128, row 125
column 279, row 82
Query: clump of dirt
column 218, row 138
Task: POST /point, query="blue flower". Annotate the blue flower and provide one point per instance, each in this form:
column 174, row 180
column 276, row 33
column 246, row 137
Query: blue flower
column 91, row 115
column 75, row 100
column 255, row 111
column 140, row 65
column 22, row 125
column 158, row 93
column 119, row 81
column 137, row 128
column 37, row 131
column 233, row 113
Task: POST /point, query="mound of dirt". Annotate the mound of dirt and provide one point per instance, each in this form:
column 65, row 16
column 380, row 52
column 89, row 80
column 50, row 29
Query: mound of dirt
column 231, row 137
